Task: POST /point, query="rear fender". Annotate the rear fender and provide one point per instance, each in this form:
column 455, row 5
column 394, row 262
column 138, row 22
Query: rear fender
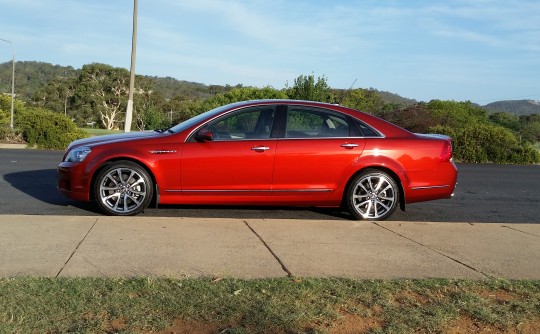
column 388, row 165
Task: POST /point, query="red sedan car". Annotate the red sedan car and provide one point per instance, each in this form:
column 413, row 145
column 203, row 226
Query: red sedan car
column 267, row 152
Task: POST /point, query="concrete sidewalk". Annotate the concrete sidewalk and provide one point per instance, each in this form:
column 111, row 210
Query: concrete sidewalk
column 253, row 248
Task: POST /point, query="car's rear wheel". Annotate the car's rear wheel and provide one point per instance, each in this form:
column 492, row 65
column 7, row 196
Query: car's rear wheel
column 123, row 188
column 373, row 195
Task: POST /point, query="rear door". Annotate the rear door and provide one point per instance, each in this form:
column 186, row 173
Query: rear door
column 317, row 151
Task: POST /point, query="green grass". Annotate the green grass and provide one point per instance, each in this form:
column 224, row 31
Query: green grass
column 99, row 132
column 285, row 305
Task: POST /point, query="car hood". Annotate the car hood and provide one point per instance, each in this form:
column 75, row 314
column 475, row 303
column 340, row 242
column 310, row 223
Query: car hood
column 105, row 139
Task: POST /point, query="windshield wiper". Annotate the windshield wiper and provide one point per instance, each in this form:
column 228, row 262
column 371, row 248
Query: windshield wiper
column 163, row 130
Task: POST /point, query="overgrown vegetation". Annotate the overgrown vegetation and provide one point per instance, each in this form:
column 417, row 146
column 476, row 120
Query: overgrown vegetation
column 46, row 129
column 38, row 127
column 96, row 96
column 284, row 305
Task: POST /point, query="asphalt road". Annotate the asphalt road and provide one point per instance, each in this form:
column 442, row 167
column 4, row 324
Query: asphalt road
column 485, row 194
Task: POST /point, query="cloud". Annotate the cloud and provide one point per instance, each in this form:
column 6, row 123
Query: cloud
column 498, row 24
column 383, row 43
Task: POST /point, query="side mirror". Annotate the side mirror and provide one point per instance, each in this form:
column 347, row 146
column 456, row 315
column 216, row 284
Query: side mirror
column 204, row 135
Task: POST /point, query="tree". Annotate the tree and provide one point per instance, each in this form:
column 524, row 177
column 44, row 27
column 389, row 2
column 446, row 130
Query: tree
column 5, row 109
column 364, row 100
column 101, row 94
column 148, row 106
column 416, row 118
column 505, row 119
column 456, row 114
column 305, row 88
column 235, row 95
column 530, row 132
column 56, row 95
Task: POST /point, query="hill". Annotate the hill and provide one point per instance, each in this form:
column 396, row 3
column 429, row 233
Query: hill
column 516, row 107
column 31, row 75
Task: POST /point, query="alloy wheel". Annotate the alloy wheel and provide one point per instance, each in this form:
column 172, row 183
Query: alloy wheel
column 123, row 189
column 373, row 195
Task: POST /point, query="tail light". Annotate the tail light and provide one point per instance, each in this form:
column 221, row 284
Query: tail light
column 446, row 152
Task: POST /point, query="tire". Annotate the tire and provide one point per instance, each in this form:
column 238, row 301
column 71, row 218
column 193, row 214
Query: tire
column 123, row 188
column 372, row 195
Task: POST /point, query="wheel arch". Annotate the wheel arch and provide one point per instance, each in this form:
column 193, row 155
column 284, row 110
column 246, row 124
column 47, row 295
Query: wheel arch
column 104, row 164
column 385, row 169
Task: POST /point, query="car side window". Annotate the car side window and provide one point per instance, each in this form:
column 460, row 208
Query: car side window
column 253, row 123
column 314, row 123
column 366, row 130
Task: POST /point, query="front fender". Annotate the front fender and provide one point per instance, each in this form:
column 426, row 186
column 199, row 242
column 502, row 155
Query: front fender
column 162, row 163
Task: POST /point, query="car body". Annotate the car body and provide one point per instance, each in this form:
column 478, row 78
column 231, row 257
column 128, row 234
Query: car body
column 264, row 152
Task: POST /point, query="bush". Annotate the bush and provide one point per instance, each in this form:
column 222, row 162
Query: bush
column 47, row 129
column 481, row 143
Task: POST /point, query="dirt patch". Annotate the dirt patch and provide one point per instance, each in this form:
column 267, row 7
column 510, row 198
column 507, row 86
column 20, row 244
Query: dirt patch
column 499, row 296
column 465, row 325
column 356, row 324
column 411, row 298
column 346, row 324
column 11, row 138
column 181, row 326
column 118, row 325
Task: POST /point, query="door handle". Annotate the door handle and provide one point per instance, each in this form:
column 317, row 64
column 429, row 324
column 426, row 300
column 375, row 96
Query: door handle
column 349, row 145
column 260, row 148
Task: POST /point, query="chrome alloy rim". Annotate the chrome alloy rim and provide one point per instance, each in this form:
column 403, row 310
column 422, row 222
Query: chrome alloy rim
column 122, row 190
column 373, row 196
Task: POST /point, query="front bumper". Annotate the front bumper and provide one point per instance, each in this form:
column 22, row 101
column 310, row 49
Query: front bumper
column 73, row 181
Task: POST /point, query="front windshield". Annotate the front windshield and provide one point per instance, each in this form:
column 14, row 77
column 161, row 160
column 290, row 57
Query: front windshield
column 192, row 121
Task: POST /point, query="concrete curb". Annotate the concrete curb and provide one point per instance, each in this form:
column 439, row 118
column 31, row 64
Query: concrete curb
column 13, row 146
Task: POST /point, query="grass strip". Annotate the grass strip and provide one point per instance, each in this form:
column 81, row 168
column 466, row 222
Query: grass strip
column 100, row 132
column 283, row 305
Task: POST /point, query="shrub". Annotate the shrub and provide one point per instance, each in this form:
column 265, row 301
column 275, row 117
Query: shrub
column 481, row 143
column 47, row 129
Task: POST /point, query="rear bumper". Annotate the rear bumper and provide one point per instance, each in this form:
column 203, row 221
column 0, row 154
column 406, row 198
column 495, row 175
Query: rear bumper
column 442, row 185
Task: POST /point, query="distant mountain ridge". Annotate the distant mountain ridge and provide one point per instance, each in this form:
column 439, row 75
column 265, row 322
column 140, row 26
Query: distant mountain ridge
column 32, row 75
column 516, row 107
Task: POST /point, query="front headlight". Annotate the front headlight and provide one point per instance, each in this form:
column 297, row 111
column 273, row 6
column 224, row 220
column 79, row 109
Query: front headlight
column 78, row 154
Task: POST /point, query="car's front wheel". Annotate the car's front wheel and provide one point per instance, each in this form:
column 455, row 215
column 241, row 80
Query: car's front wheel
column 373, row 195
column 123, row 188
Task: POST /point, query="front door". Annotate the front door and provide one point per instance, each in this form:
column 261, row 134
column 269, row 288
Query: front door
column 238, row 156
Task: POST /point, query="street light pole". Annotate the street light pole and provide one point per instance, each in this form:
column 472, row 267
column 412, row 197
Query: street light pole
column 129, row 110
column 12, row 81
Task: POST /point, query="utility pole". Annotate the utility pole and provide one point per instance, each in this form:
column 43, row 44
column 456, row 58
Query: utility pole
column 12, row 80
column 129, row 110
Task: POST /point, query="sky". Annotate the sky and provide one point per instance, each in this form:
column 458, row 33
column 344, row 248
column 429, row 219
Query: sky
column 471, row 50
